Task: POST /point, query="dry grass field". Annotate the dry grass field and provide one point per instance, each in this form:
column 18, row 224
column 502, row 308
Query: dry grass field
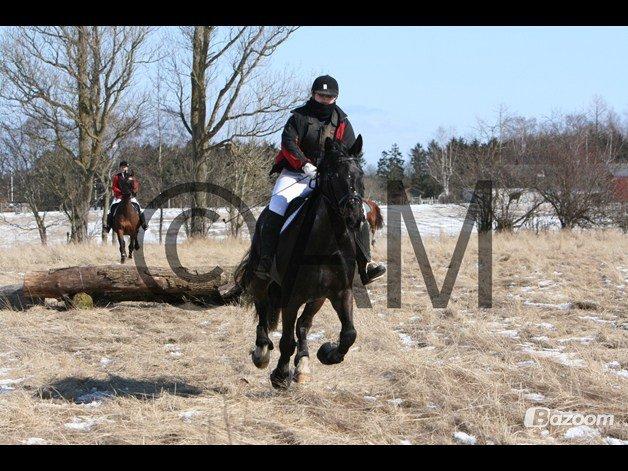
column 151, row 373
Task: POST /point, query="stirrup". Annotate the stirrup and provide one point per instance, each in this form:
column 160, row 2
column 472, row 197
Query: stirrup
column 373, row 271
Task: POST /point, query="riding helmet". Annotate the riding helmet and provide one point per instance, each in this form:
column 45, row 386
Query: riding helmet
column 325, row 85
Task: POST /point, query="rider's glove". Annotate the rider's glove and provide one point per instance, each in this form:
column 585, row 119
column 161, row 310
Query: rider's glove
column 309, row 170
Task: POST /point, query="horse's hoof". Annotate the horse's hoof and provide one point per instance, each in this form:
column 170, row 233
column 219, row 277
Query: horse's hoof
column 279, row 380
column 261, row 356
column 326, row 354
column 303, row 374
column 122, row 260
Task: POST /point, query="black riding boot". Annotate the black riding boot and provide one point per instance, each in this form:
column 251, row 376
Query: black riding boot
column 109, row 222
column 369, row 270
column 143, row 221
column 269, row 233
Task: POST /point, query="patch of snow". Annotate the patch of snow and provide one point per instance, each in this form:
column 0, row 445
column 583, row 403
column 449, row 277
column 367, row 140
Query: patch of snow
column 545, row 433
column 93, row 397
column 188, row 415
column 541, row 338
column 10, row 382
column 582, row 340
column 406, row 340
column 395, row 402
column 104, row 361
column 513, row 334
column 567, row 359
column 526, row 363
column 596, row 320
column 545, row 283
column 405, row 442
column 546, row 326
column 83, row 424
column 370, row 398
column 614, row 367
column 4, row 371
column 276, row 335
column 315, row 336
column 581, row 432
column 35, row 441
column 527, row 289
column 615, row 441
column 534, row 397
column 465, row 438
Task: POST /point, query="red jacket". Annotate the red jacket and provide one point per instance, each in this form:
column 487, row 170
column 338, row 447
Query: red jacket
column 115, row 186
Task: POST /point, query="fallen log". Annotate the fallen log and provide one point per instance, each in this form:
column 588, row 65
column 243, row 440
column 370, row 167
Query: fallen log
column 112, row 283
column 13, row 297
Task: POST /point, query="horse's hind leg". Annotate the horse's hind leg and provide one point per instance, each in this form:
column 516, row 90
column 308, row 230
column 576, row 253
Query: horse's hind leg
column 331, row 353
column 263, row 344
column 280, row 377
column 302, row 358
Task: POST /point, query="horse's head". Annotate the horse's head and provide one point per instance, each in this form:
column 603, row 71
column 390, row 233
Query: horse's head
column 126, row 184
column 341, row 180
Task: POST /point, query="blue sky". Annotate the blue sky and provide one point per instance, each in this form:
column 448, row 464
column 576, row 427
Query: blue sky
column 399, row 84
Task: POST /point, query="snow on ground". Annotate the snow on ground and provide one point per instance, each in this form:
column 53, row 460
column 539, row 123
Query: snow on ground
column 84, row 424
column 581, row 432
column 465, row 438
column 431, row 220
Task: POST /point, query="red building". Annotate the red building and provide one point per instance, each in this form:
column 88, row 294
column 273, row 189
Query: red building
column 620, row 182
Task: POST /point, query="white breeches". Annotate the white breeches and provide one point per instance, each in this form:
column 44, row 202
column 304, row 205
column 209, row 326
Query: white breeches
column 288, row 186
column 117, row 200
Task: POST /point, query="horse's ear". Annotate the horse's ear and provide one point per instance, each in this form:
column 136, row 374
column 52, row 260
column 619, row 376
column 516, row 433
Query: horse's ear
column 356, row 148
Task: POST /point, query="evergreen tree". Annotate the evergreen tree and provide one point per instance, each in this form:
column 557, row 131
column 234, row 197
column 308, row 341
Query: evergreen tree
column 390, row 164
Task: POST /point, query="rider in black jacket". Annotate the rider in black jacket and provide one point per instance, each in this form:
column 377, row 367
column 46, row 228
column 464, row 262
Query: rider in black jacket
column 302, row 147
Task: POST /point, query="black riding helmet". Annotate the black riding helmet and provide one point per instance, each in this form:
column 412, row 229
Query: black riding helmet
column 325, row 85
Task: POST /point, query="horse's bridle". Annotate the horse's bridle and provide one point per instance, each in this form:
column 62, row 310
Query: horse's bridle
column 339, row 204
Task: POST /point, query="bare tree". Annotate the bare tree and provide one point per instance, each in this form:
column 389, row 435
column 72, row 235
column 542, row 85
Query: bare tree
column 225, row 92
column 247, row 164
column 576, row 177
column 74, row 81
column 23, row 155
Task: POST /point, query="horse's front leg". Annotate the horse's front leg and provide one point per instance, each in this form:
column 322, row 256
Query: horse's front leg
column 280, row 377
column 122, row 246
column 132, row 243
column 263, row 345
column 332, row 353
column 302, row 358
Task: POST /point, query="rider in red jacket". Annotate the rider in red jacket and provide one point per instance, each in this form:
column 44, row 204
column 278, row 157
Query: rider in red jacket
column 117, row 195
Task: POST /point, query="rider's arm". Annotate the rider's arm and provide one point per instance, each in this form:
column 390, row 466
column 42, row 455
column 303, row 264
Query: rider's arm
column 290, row 144
column 348, row 138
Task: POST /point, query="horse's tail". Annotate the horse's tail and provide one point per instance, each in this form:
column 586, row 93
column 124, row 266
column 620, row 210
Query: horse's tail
column 242, row 272
column 241, row 278
column 379, row 220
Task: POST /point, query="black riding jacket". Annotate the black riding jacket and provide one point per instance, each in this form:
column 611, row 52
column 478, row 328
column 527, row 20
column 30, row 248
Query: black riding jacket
column 303, row 136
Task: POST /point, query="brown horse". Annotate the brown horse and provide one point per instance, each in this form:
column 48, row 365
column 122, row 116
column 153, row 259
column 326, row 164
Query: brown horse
column 126, row 220
column 374, row 218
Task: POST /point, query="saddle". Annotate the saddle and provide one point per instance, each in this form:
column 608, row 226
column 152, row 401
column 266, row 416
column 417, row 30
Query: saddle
column 293, row 209
column 117, row 206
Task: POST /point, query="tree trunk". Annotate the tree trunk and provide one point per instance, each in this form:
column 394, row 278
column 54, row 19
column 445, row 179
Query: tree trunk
column 198, row 113
column 80, row 206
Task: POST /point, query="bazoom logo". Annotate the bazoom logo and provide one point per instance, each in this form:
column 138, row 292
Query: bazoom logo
column 540, row 417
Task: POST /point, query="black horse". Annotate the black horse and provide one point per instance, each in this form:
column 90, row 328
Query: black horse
column 316, row 260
